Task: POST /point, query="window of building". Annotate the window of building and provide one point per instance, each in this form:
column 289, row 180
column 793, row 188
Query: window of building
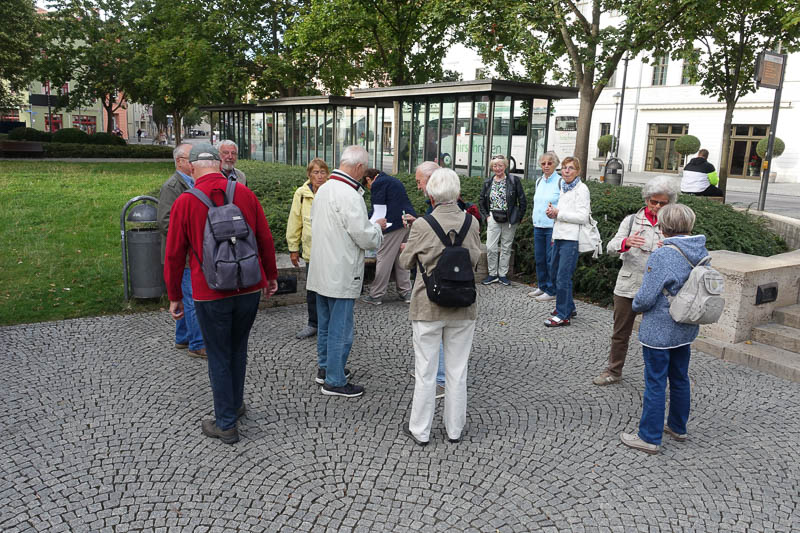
column 743, row 161
column 86, row 123
column 605, row 129
column 660, row 70
column 57, row 124
column 565, row 123
column 661, row 154
column 689, row 71
column 9, row 115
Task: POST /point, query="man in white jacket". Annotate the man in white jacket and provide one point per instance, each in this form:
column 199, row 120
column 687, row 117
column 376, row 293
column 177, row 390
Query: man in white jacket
column 340, row 231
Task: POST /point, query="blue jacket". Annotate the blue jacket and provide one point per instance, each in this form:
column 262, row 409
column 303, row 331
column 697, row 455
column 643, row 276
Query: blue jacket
column 667, row 269
column 547, row 192
column 390, row 191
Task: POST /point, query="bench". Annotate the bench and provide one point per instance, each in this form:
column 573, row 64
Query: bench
column 21, row 148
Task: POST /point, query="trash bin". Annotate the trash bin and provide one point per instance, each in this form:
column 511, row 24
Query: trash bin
column 613, row 172
column 142, row 272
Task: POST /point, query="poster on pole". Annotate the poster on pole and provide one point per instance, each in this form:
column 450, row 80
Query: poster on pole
column 769, row 70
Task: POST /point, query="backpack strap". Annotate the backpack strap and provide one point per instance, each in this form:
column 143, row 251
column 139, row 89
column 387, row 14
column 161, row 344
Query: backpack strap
column 230, row 190
column 437, row 229
column 703, row 261
column 200, row 195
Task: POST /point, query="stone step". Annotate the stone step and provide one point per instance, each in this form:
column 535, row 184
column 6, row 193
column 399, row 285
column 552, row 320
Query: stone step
column 769, row 359
column 779, row 336
column 788, row 316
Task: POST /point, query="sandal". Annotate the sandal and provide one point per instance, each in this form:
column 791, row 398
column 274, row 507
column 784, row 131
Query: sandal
column 554, row 322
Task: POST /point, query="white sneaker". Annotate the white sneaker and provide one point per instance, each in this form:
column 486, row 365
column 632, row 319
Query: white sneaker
column 544, row 297
column 633, row 441
column 534, row 294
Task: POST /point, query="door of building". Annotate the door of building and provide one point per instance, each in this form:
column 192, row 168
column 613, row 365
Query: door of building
column 661, row 154
column 743, row 161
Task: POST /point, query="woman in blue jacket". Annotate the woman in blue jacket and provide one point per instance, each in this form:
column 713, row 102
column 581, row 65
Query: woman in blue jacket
column 665, row 343
column 548, row 189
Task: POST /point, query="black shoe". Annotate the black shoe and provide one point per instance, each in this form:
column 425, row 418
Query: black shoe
column 321, row 373
column 241, row 411
column 460, row 437
column 408, row 432
column 228, row 436
column 348, row 391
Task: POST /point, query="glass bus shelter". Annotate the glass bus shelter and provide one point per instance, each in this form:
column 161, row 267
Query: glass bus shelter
column 460, row 125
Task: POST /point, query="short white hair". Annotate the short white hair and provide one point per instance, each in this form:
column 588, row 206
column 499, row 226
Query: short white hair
column 206, row 163
column 666, row 185
column 182, row 150
column 228, row 142
column 443, row 186
column 551, row 156
column 427, row 168
column 354, row 155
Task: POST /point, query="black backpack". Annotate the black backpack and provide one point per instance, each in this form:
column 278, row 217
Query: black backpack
column 451, row 283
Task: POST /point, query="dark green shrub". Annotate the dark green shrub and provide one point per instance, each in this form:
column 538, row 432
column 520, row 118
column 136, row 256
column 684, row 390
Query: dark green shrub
column 777, row 148
column 605, row 142
column 29, row 134
column 70, row 135
column 134, row 151
column 687, row 144
column 103, row 138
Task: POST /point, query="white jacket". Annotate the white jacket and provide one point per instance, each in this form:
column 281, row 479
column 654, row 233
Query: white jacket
column 340, row 231
column 574, row 209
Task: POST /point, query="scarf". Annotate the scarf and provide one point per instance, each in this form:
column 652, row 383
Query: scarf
column 566, row 187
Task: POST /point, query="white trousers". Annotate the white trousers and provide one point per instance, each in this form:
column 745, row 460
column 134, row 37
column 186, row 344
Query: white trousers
column 499, row 238
column 456, row 336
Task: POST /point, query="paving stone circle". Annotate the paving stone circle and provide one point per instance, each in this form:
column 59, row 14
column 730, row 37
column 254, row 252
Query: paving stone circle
column 100, row 429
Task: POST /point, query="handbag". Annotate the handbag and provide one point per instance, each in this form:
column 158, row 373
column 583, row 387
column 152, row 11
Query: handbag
column 589, row 239
column 500, row 216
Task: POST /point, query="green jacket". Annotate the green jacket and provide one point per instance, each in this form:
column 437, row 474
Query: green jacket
column 170, row 191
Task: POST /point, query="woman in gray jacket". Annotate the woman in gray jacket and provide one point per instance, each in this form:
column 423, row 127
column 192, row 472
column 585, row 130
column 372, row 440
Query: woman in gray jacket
column 637, row 237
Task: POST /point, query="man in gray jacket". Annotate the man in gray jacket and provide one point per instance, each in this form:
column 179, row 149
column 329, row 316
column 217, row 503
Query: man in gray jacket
column 340, row 231
column 187, row 329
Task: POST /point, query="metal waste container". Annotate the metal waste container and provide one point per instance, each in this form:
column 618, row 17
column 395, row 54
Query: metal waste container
column 142, row 272
column 614, row 171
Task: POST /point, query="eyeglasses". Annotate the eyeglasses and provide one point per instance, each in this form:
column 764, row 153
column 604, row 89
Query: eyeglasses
column 657, row 203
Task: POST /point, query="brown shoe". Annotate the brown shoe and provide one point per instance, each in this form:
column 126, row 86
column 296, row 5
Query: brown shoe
column 200, row 354
column 228, row 436
column 181, row 345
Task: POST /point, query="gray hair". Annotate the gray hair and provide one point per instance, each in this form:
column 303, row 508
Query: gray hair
column 501, row 158
column 551, row 156
column 665, row 185
column 443, row 186
column 427, row 168
column 676, row 219
column 228, row 142
column 354, row 155
column 181, row 151
column 206, row 163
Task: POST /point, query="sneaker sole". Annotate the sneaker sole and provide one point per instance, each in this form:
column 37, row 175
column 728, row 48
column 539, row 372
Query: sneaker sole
column 334, row 393
column 490, row 282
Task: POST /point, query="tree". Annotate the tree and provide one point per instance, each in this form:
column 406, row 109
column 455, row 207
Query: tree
column 19, row 49
column 732, row 34
column 593, row 36
column 89, row 43
column 382, row 42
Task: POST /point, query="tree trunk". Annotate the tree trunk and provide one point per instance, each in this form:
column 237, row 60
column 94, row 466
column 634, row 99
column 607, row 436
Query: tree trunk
column 584, row 128
column 109, row 107
column 176, row 125
column 722, row 169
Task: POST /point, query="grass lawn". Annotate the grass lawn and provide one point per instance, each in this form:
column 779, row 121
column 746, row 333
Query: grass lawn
column 60, row 254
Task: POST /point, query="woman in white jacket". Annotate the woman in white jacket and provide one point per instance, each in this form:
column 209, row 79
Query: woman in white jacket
column 574, row 209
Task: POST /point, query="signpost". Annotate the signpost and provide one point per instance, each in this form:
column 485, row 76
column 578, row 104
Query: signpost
column 769, row 73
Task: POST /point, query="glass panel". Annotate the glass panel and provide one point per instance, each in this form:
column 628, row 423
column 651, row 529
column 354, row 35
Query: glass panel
column 418, row 135
column 328, row 130
column 343, row 134
column 448, row 122
column 281, row 130
column 663, row 128
column 257, row 136
column 377, row 131
column 760, row 131
column 317, row 121
column 432, row 133
column 480, row 141
column 659, row 157
column 678, row 129
column 738, row 155
column 672, row 156
column 404, row 148
column 360, row 128
column 269, row 129
column 304, row 138
column 387, row 126
column 463, row 133
column 538, row 132
column 298, row 122
column 741, row 130
column 754, row 162
column 501, row 130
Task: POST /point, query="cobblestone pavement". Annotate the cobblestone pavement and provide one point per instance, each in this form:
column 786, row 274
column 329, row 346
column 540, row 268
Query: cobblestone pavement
column 100, row 432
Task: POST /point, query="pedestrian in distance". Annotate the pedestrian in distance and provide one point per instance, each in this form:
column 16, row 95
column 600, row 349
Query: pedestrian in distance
column 298, row 232
column 225, row 316
column 666, row 344
column 340, row 231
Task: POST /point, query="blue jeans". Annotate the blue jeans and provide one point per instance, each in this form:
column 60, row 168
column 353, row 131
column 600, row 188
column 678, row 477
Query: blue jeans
column 562, row 267
column 187, row 330
column 226, row 327
column 440, row 371
column 660, row 365
column 334, row 337
column 542, row 251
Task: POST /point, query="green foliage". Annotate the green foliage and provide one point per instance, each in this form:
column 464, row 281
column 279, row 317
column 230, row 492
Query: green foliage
column 605, row 142
column 70, row 135
column 128, row 151
column 777, row 147
column 19, row 49
column 109, row 139
column 687, row 144
column 29, row 134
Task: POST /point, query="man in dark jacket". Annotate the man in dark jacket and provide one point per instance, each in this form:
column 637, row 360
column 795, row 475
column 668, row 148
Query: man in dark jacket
column 187, row 330
column 700, row 177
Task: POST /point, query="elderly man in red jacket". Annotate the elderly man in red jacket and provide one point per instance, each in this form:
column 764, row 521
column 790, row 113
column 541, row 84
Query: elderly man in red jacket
column 225, row 317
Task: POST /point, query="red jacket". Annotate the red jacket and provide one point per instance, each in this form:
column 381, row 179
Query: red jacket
column 185, row 235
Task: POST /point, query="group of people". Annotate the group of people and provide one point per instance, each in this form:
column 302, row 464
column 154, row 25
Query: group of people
column 330, row 226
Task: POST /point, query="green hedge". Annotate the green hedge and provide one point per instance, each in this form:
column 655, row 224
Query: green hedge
column 70, row 135
column 133, row 151
column 29, row 134
column 102, row 137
